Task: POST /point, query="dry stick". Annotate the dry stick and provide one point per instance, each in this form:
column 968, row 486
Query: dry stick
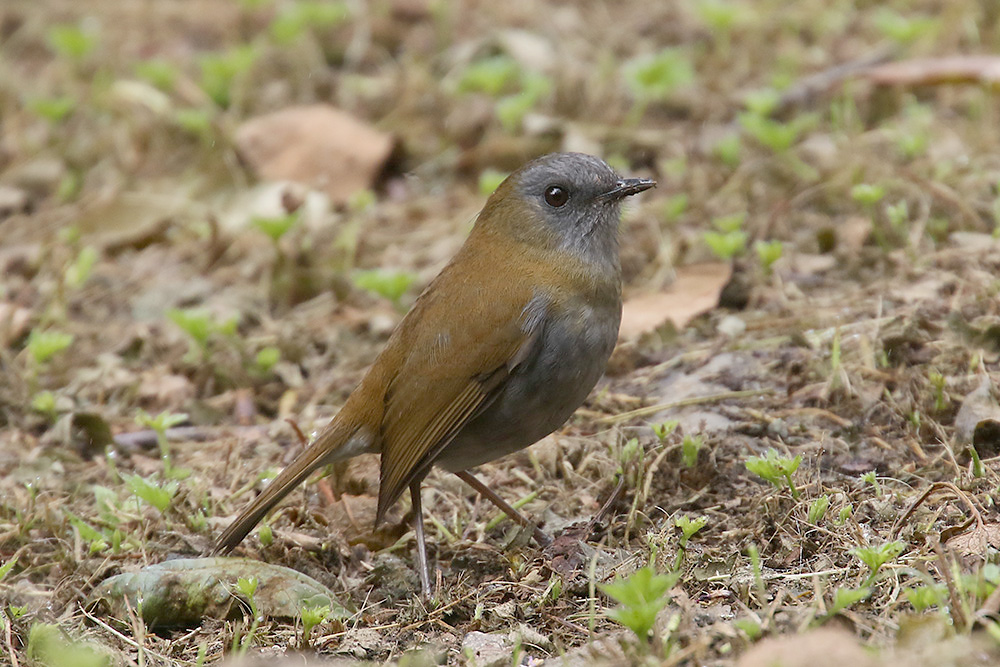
column 683, row 403
column 486, row 492
column 131, row 642
column 10, row 642
column 937, row 486
column 956, row 603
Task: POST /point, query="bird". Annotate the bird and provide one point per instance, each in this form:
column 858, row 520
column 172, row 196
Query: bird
column 496, row 353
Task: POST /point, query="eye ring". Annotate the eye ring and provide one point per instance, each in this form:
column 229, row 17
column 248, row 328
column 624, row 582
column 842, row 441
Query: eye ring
column 556, row 196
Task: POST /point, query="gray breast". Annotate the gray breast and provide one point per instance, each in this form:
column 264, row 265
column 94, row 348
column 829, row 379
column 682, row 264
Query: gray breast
column 541, row 394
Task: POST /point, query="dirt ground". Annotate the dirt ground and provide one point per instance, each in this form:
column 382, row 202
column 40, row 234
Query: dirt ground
column 800, row 421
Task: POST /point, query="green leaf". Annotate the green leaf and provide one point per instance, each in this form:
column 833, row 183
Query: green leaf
column 152, row 493
column 70, row 41
column 658, row 76
column 391, row 285
column 43, row 345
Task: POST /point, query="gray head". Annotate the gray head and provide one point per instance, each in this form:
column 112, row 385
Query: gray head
column 576, row 197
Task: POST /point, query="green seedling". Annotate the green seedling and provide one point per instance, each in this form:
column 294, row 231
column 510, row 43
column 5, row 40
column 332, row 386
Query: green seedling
column 311, row 617
column 390, row 285
column 265, row 534
column 939, row 382
column 817, row 509
column 7, row 567
column 726, row 245
column 159, row 425
column 721, row 17
column 898, row 214
column 978, row 470
column 674, row 207
column 835, row 367
column 246, row 590
column 492, row 76
column 663, row 430
column 43, row 345
column 267, row 358
column 70, row 42
column 904, row 30
column 870, row 478
column 152, row 493
column 44, row 402
column 844, row 514
column 924, row 597
column 778, row 136
column 276, row 227
column 490, row 180
column 762, row 102
column 656, row 78
column 867, row 194
column 55, row 110
column 220, row 71
column 729, row 150
column 511, row 109
column 641, row 596
column 776, row 469
column 768, row 252
column 196, row 122
column 294, row 19
column 846, row 597
column 690, row 447
column 161, row 74
column 750, row 627
column 758, row 573
column 730, row 240
column 201, row 326
column 689, row 527
column 730, row 223
column 95, row 539
column 875, row 557
column 79, row 271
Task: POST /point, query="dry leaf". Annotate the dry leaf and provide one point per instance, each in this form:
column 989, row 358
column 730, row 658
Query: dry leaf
column 316, row 145
column 971, row 546
column 695, row 291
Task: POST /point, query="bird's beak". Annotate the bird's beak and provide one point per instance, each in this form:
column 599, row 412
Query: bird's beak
column 627, row 186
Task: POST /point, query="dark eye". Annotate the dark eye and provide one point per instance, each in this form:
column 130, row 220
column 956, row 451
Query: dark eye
column 556, row 196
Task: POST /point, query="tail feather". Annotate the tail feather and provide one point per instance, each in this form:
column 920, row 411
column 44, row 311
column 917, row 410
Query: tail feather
column 336, row 442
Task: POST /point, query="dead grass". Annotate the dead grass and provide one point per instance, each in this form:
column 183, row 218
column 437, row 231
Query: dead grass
column 854, row 353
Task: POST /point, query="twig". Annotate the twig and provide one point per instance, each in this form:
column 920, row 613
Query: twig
column 10, row 642
column 131, row 642
column 683, row 403
column 937, row 486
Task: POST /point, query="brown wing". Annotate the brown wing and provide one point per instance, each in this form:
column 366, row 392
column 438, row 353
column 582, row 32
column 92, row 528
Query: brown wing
column 451, row 372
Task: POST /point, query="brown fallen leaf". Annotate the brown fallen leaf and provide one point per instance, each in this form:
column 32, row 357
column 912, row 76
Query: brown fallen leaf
column 971, row 545
column 317, row 145
column 695, row 291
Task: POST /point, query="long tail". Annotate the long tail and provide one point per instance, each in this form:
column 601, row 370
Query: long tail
column 337, row 441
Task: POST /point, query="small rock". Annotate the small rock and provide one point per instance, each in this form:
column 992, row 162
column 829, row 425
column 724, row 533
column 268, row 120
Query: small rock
column 487, row 650
column 731, row 326
column 12, row 201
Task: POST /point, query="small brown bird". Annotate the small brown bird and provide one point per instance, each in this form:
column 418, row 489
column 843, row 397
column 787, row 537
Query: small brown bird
column 497, row 352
